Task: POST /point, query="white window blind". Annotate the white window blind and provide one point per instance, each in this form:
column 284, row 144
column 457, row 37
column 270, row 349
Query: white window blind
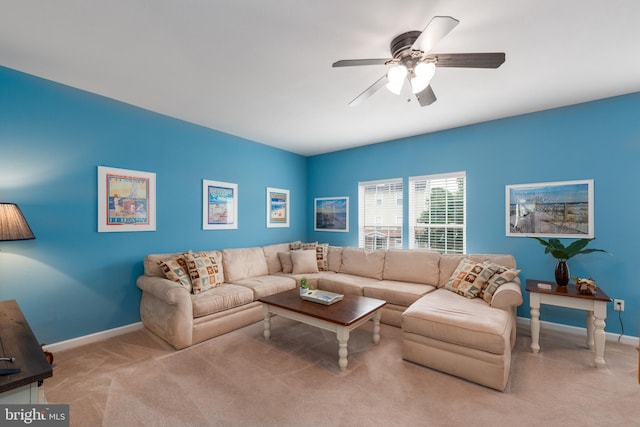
column 437, row 212
column 379, row 206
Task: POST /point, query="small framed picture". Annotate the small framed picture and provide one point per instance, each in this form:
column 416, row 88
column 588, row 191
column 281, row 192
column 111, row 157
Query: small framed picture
column 219, row 205
column 126, row 200
column 561, row 209
column 277, row 207
column 331, row 214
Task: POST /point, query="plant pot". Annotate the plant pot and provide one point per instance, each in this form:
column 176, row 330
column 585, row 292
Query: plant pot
column 562, row 273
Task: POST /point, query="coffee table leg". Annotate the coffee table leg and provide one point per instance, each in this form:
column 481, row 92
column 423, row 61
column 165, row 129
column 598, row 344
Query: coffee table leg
column 267, row 321
column 376, row 327
column 343, row 339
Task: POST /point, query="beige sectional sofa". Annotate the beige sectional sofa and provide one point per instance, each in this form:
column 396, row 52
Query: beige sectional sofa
column 468, row 337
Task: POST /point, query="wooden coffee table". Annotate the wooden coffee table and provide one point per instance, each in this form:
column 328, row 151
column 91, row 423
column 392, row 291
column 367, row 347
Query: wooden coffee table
column 341, row 317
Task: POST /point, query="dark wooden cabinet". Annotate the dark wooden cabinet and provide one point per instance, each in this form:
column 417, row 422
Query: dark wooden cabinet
column 17, row 340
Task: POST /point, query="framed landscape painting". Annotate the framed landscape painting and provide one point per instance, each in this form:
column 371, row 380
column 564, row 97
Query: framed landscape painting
column 219, row 205
column 550, row 209
column 277, row 207
column 126, row 200
column 331, row 214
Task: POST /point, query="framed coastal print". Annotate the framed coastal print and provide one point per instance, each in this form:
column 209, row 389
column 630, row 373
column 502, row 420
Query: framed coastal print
column 277, row 207
column 126, row 200
column 331, row 214
column 561, row 209
column 219, row 205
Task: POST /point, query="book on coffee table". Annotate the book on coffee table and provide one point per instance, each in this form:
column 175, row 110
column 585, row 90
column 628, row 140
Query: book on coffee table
column 322, row 297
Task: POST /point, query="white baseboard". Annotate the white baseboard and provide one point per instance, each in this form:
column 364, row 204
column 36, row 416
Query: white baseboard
column 624, row 339
column 521, row 321
column 91, row 338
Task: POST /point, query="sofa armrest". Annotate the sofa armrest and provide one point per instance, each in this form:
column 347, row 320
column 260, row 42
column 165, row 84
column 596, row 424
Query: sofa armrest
column 165, row 290
column 508, row 295
column 167, row 310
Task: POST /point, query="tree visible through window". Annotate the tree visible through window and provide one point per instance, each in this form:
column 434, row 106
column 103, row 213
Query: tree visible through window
column 437, row 212
column 379, row 207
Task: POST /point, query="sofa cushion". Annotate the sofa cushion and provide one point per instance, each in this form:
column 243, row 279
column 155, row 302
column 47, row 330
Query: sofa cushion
column 344, row 283
column 263, row 286
column 334, row 258
column 243, row 263
column 448, row 317
column 415, row 266
column 398, row 293
column 175, row 269
column 470, row 277
column 220, row 298
column 271, row 256
column 499, row 278
column 203, row 271
column 304, row 261
column 363, row 262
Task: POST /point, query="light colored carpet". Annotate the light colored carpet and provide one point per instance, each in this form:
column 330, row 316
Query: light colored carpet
column 240, row 379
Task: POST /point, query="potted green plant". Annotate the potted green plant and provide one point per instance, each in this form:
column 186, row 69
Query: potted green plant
column 563, row 253
column 303, row 285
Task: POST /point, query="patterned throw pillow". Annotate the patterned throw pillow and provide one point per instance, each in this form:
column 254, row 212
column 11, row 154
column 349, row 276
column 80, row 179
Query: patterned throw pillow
column 203, row 271
column 470, row 277
column 175, row 269
column 322, row 255
column 295, row 246
column 308, row 246
column 500, row 277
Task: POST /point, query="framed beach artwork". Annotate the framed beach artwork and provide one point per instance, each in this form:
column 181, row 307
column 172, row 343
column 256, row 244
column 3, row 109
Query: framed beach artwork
column 331, row 214
column 126, row 200
column 219, row 205
column 561, row 209
column 277, row 207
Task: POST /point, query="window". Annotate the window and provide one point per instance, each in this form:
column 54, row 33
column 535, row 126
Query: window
column 379, row 206
column 437, row 212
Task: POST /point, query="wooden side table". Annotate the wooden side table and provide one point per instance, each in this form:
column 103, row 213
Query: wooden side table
column 17, row 340
column 568, row 296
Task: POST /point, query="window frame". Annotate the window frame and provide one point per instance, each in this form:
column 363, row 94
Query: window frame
column 374, row 202
column 448, row 226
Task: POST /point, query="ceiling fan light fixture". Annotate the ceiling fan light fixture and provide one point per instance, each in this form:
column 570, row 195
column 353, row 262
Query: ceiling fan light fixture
column 396, row 77
column 422, row 75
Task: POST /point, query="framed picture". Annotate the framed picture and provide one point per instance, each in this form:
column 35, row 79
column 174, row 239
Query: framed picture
column 126, row 200
column 331, row 214
column 550, row 209
column 277, row 207
column 219, row 205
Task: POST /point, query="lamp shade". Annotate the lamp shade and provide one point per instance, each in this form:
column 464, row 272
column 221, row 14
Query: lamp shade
column 423, row 73
column 13, row 226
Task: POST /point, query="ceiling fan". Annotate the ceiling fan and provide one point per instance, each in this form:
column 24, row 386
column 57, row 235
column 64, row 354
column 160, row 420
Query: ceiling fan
column 413, row 64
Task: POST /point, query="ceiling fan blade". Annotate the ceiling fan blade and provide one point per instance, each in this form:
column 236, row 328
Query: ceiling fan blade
column 426, row 97
column 356, row 62
column 369, row 91
column 436, row 29
column 468, row 60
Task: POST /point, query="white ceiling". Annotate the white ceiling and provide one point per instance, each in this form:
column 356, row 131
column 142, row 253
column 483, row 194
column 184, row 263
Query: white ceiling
column 262, row 69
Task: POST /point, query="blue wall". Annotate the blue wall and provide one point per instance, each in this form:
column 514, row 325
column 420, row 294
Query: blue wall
column 72, row 281
column 597, row 140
